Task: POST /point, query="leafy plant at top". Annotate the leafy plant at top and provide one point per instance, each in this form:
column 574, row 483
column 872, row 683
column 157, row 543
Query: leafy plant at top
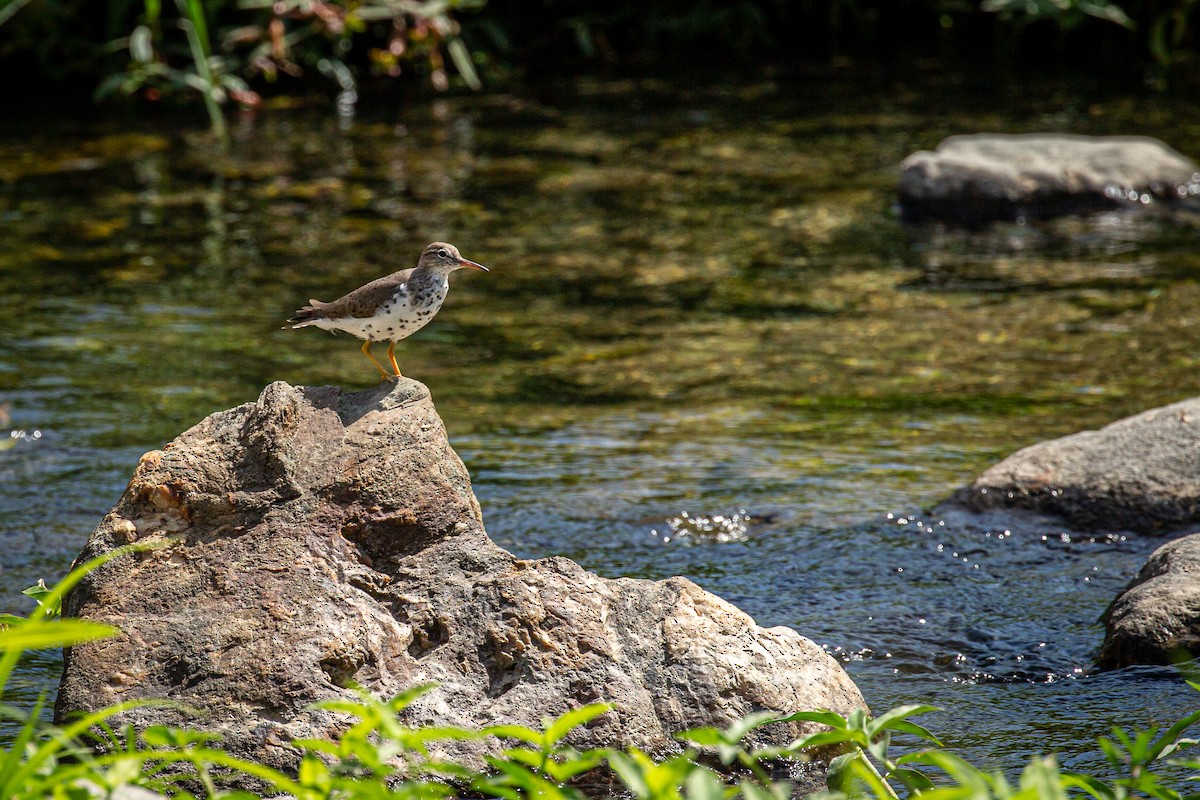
column 412, row 30
column 1067, row 13
column 1169, row 29
column 1170, row 32
column 290, row 37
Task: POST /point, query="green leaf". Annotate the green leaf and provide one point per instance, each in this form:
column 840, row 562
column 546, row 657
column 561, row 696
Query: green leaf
column 10, row 762
column 141, row 45
column 462, row 61
column 529, row 758
column 839, row 774
column 826, row 738
column 407, row 697
column 704, row 737
column 165, row 736
column 1093, row 786
column 1170, row 740
column 1041, row 777
column 952, row 765
column 914, row 780
column 574, row 764
column 752, row 791
column 889, row 718
column 313, row 772
column 913, row 729
column 830, row 718
column 703, row 784
column 6, row 12
column 630, row 773
column 855, row 770
column 518, row 732
column 37, row 634
column 738, row 730
column 558, row 729
column 441, row 733
column 317, row 745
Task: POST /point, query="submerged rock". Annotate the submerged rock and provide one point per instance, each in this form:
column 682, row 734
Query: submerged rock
column 1141, row 473
column 1156, row 620
column 976, row 178
column 323, row 539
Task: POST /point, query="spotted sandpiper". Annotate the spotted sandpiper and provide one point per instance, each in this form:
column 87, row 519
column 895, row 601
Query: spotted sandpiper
column 390, row 308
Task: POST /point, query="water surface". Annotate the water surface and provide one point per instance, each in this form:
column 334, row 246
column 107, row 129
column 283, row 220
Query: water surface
column 707, row 348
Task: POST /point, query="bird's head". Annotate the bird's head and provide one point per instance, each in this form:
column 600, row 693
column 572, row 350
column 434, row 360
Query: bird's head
column 443, row 257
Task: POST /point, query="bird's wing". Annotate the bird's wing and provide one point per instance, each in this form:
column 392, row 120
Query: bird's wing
column 366, row 300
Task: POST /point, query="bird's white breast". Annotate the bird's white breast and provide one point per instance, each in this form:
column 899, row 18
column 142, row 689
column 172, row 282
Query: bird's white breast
column 402, row 315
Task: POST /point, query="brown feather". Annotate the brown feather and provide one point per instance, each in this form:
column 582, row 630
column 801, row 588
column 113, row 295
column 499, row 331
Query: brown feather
column 362, row 302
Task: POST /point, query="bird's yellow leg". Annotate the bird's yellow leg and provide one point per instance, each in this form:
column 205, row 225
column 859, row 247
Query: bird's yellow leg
column 392, row 357
column 366, row 348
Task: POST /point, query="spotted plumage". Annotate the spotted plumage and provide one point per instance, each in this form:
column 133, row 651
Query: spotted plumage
column 390, row 308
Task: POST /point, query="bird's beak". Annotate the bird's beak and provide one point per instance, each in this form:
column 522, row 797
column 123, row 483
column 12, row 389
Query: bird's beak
column 462, row 262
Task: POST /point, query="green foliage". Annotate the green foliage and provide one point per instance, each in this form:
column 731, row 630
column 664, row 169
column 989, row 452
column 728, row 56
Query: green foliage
column 222, row 48
column 1067, row 13
column 233, row 51
column 47, row 761
column 377, row 755
column 1169, row 39
column 1171, row 34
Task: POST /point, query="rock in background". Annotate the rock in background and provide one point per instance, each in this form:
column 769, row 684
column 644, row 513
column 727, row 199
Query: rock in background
column 324, row 539
column 1140, row 474
column 976, row 178
column 1156, row 620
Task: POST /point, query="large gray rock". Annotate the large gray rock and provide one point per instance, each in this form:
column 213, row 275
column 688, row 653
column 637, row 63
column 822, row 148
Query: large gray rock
column 325, row 538
column 1141, row 473
column 1156, row 620
column 980, row 177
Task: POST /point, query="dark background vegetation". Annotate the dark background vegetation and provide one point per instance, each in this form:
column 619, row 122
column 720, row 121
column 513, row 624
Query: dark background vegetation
column 65, row 49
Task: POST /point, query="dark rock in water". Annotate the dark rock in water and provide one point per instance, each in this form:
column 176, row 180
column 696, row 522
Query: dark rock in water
column 982, row 177
column 1156, row 620
column 325, row 539
column 1141, row 473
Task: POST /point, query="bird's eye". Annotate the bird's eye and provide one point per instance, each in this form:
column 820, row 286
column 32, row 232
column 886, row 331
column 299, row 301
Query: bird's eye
column 442, row 253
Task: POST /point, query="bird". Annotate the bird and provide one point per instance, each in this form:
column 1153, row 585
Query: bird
column 390, row 308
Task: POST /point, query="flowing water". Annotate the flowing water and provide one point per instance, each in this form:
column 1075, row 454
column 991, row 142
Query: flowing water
column 707, row 347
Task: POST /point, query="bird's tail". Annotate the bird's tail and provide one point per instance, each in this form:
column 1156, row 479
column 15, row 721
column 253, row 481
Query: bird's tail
column 308, row 315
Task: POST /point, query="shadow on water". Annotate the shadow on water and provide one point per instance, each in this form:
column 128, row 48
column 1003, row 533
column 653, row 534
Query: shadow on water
column 707, row 347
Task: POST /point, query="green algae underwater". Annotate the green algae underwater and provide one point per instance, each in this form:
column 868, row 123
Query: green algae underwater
column 707, row 347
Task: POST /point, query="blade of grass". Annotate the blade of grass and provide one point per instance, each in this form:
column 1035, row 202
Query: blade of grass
column 196, row 28
column 11, row 8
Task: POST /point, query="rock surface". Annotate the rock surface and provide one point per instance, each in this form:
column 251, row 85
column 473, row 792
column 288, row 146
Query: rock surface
column 324, row 538
column 981, row 177
column 1156, row 620
column 1141, row 473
